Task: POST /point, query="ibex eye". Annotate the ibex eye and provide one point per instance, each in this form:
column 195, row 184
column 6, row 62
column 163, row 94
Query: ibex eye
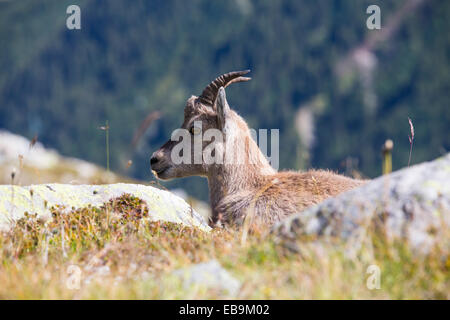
column 195, row 130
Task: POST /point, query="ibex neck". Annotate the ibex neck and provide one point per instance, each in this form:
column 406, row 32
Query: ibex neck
column 230, row 179
column 244, row 165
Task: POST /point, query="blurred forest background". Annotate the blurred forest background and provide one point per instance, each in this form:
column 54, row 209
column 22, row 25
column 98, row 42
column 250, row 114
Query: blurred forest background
column 334, row 88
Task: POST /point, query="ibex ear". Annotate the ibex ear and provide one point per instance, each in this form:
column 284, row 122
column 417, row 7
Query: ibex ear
column 222, row 107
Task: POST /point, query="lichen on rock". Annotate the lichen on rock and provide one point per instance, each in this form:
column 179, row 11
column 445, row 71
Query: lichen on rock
column 39, row 199
column 412, row 204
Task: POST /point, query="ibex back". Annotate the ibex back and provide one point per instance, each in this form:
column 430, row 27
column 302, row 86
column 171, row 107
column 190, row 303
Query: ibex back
column 249, row 186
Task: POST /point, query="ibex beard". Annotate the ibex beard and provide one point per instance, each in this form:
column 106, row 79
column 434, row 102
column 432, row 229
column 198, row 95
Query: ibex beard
column 241, row 181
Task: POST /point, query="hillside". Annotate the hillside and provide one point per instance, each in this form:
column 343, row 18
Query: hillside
column 93, row 242
column 130, row 60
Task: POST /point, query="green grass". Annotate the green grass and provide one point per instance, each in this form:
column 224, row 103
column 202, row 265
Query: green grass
column 38, row 258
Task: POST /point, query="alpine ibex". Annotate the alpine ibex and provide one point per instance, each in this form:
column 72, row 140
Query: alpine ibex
column 250, row 186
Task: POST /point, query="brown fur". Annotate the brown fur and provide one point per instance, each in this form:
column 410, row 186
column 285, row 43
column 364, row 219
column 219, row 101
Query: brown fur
column 253, row 186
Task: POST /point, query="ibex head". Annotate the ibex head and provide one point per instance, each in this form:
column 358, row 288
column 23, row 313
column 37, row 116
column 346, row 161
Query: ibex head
column 205, row 118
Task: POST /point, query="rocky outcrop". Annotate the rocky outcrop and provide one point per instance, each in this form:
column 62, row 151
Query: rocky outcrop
column 412, row 204
column 162, row 205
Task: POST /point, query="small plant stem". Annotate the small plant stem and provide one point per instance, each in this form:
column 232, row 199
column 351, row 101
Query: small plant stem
column 387, row 156
column 107, row 146
column 411, row 139
column 410, row 152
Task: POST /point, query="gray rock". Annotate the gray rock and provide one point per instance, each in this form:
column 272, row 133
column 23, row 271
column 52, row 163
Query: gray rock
column 208, row 275
column 162, row 205
column 412, row 204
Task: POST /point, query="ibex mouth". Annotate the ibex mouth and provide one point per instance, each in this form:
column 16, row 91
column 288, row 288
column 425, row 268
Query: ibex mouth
column 159, row 172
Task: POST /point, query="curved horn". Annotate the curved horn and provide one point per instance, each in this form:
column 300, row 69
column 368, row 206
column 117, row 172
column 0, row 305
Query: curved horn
column 209, row 94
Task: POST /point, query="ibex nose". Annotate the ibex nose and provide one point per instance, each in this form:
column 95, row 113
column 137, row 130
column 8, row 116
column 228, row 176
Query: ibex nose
column 156, row 157
column 153, row 160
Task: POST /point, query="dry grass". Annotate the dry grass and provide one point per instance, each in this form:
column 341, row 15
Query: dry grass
column 120, row 254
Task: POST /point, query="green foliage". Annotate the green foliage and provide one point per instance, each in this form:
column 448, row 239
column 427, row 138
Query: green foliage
column 129, row 60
